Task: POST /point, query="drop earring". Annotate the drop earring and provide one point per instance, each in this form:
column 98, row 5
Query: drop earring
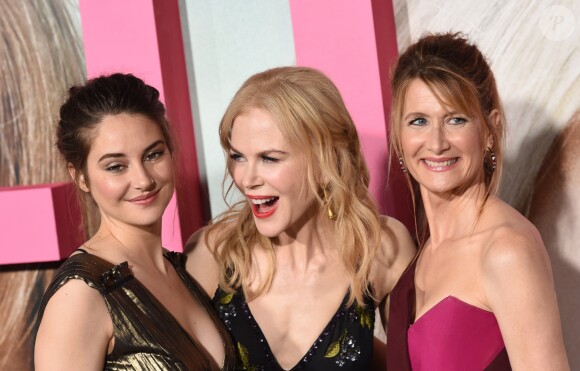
column 327, row 203
column 490, row 164
column 402, row 163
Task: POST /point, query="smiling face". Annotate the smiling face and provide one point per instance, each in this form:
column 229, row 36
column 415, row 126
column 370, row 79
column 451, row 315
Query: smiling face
column 129, row 170
column 443, row 149
column 270, row 173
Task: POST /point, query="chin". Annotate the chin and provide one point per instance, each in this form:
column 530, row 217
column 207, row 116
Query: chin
column 269, row 231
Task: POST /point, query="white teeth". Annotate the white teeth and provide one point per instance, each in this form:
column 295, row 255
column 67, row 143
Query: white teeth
column 442, row 163
column 262, row 200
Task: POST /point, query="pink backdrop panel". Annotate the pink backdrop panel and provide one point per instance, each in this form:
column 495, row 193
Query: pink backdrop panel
column 143, row 37
column 354, row 42
column 121, row 36
column 39, row 223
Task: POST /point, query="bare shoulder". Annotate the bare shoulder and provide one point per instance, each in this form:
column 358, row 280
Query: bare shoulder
column 514, row 259
column 519, row 289
column 75, row 329
column 394, row 254
column 396, row 242
column 201, row 263
column 514, row 243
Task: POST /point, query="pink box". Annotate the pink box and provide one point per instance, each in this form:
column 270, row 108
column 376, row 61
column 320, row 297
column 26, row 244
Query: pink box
column 39, row 223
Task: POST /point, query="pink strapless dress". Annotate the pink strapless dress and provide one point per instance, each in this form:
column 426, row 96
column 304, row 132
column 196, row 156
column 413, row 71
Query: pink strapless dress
column 451, row 336
column 454, row 335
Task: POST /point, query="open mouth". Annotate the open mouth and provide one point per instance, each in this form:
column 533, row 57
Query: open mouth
column 264, row 207
column 442, row 164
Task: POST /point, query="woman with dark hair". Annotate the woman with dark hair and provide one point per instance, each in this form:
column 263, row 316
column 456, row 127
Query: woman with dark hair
column 122, row 301
column 480, row 294
column 297, row 268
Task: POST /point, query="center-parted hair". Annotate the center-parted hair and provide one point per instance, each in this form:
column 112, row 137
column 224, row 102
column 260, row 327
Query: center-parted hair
column 310, row 113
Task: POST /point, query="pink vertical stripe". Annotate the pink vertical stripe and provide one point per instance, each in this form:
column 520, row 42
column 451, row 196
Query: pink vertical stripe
column 339, row 38
column 122, row 36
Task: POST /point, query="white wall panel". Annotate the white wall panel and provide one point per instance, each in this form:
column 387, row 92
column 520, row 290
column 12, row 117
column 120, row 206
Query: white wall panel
column 226, row 42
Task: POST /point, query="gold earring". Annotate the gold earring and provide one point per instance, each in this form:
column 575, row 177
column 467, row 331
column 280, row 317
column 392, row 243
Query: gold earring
column 328, row 203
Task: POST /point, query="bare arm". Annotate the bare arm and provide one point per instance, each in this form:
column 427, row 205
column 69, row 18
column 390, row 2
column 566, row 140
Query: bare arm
column 393, row 256
column 396, row 252
column 201, row 263
column 519, row 287
column 75, row 332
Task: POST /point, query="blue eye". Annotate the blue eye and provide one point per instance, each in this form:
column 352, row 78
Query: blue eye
column 419, row 121
column 457, row 121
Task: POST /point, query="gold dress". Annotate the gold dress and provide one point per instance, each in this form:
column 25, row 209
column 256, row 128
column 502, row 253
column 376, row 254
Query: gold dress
column 147, row 336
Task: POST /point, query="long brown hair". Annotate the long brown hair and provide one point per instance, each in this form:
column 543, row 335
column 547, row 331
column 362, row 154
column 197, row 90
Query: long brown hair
column 312, row 116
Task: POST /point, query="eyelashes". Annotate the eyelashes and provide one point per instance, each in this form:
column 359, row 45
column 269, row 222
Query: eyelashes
column 453, row 121
column 118, row 166
column 236, row 157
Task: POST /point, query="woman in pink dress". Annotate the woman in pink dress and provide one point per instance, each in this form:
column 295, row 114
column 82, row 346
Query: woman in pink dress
column 480, row 294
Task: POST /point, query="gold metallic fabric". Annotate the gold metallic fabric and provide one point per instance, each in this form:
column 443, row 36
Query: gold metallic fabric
column 147, row 336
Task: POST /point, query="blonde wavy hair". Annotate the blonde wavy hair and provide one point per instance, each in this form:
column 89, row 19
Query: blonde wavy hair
column 312, row 117
column 459, row 76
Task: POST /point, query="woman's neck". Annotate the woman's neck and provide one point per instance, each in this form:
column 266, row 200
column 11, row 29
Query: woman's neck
column 452, row 215
column 306, row 246
column 138, row 246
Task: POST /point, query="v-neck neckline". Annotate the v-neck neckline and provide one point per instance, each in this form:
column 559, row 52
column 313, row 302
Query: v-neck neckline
column 159, row 306
column 305, row 357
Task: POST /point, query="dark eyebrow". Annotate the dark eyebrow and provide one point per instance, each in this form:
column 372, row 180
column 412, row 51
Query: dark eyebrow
column 116, row 155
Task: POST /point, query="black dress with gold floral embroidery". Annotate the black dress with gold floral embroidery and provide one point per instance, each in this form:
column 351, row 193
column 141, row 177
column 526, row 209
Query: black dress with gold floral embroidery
column 346, row 343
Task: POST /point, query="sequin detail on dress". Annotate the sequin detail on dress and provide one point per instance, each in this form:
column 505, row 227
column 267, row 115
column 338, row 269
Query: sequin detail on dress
column 346, row 343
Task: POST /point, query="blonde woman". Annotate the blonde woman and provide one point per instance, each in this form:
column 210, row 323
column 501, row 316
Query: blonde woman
column 297, row 268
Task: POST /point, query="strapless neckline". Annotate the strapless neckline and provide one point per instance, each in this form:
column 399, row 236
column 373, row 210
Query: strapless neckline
column 454, row 335
column 444, row 301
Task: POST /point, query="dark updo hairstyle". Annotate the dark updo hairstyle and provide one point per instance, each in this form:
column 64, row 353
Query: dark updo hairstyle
column 458, row 74
column 87, row 105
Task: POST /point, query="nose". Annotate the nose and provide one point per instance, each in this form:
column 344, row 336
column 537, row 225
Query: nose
column 437, row 141
column 143, row 179
column 251, row 176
